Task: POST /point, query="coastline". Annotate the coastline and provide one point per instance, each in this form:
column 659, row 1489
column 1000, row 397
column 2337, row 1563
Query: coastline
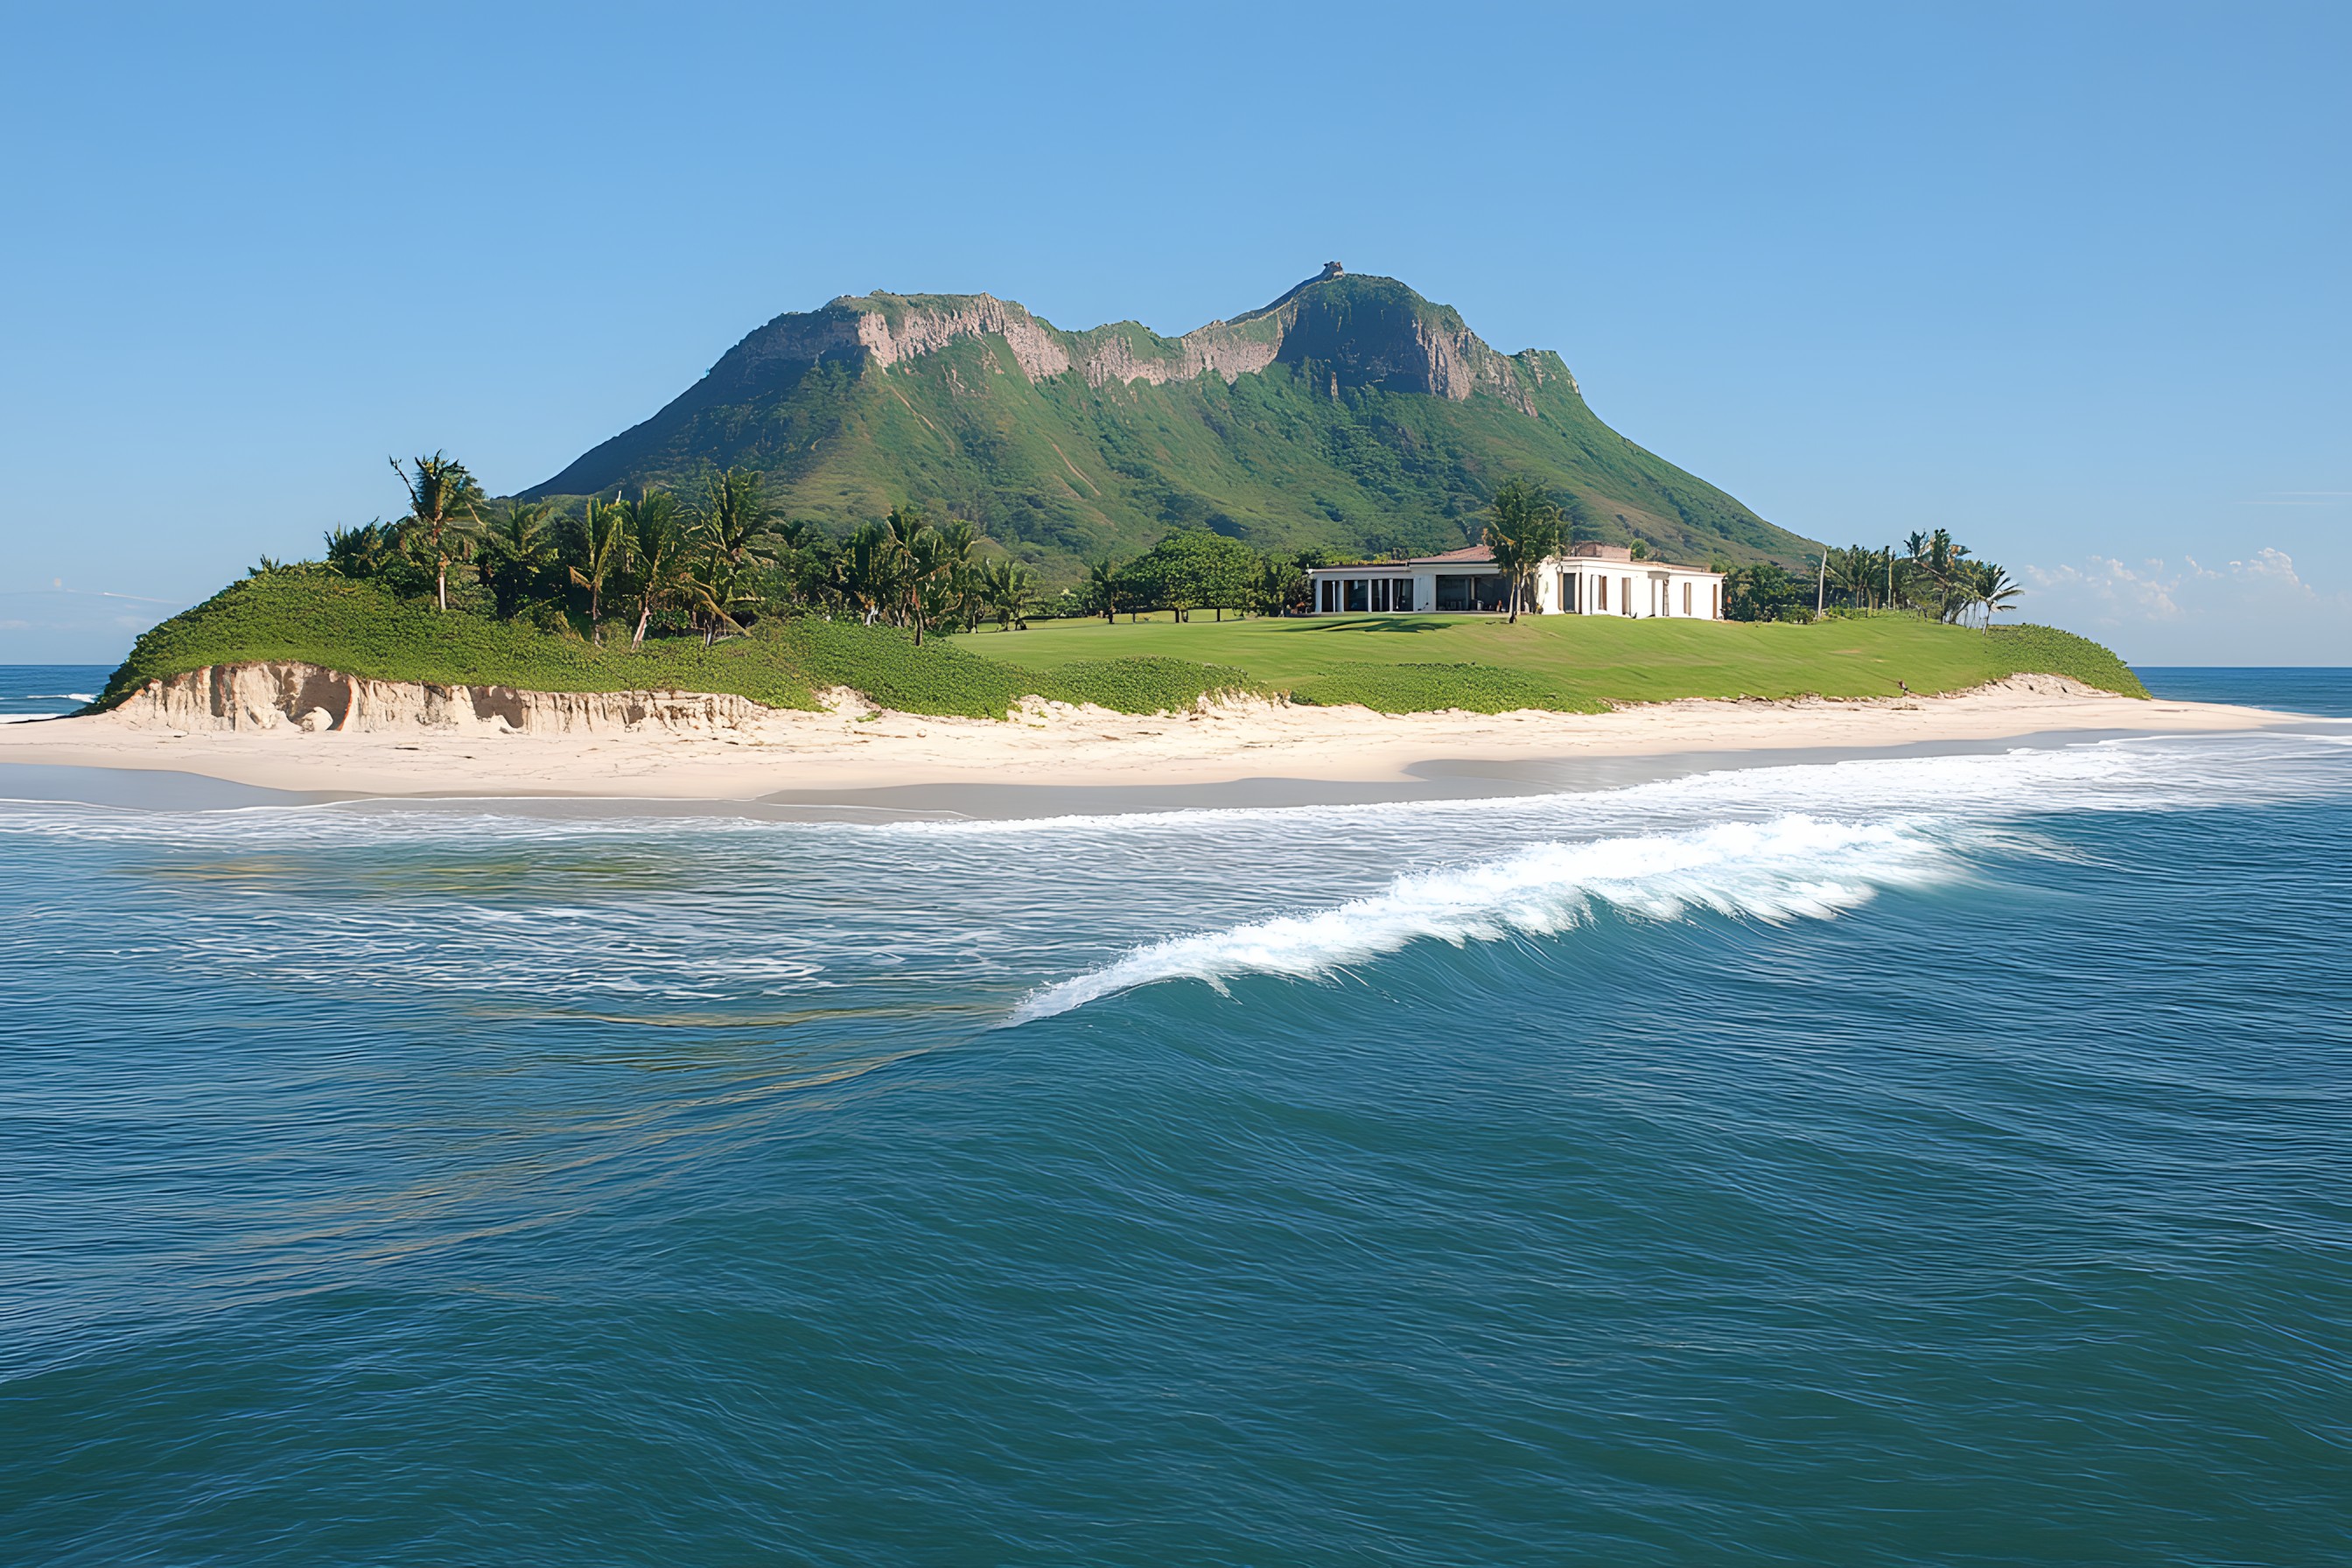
column 854, row 760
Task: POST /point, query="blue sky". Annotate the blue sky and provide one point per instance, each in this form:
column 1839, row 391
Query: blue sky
column 2072, row 281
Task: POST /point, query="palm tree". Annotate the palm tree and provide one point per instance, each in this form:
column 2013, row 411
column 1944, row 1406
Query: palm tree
column 601, row 549
column 921, row 557
column 736, row 515
column 864, row 573
column 718, row 587
column 955, row 591
column 1102, row 589
column 1993, row 589
column 443, row 502
column 1009, row 590
column 661, row 543
column 1522, row 531
column 516, row 553
column 362, row 552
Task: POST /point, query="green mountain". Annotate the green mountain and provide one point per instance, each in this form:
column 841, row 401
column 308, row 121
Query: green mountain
column 1349, row 412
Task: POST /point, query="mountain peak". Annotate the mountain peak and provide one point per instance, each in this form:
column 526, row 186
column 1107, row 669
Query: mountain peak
column 1348, row 410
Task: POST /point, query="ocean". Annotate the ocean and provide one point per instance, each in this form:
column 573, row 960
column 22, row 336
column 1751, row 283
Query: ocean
column 1932, row 1160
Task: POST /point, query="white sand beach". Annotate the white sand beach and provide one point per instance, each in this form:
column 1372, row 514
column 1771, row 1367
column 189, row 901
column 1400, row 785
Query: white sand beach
column 853, row 747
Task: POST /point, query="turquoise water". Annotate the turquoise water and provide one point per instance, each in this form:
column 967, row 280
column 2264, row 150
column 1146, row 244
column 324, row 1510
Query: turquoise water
column 1930, row 1161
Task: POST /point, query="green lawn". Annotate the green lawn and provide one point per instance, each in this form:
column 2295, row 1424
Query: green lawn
column 1395, row 664
column 1399, row 663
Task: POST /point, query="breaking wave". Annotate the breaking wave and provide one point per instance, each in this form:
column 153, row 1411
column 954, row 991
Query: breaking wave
column 1791, row 867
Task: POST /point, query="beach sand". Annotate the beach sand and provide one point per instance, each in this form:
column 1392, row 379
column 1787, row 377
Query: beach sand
column 1057, row 757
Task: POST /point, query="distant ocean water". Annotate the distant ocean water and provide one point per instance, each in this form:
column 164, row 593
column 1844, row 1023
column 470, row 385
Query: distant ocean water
column 2309, row 690
column 1921, row 1161
column 45, row 690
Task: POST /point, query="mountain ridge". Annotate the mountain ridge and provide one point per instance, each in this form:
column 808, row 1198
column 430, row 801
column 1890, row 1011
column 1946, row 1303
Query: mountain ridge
column 1349, row 412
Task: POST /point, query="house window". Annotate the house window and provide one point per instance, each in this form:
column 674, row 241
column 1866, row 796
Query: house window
column 1719, row 601
column 1625, row 593
column 1686, row 598
column 1357, row 596
column 1453, row 593
column 1330, row 596
column 1400, row 591
column 1567, row 595
column 1380, row 594
column 1600, row 598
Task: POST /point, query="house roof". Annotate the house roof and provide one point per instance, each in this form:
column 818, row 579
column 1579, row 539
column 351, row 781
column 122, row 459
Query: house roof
column 1479, row 555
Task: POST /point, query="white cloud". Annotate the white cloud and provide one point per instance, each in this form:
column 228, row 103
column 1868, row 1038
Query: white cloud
column 2255, row 610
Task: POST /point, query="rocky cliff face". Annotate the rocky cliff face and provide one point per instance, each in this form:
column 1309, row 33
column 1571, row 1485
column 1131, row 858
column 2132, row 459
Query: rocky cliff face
column 1364, row 331
column 305, row 697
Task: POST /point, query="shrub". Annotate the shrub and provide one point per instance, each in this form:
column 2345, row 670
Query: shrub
column 2046, row 650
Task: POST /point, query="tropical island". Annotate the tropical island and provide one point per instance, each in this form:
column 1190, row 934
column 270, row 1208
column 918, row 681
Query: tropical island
column 942, row 507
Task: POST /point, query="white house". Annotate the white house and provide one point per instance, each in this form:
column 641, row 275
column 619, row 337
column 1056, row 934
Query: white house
column 1584, row 580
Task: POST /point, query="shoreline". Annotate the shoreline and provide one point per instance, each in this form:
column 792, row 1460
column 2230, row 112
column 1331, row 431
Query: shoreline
column 852, row 761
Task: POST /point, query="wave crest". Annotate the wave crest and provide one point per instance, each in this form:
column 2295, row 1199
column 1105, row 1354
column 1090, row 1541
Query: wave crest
column 1791, row 867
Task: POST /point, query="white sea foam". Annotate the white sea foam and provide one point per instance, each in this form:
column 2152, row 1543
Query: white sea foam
column 1791, row 867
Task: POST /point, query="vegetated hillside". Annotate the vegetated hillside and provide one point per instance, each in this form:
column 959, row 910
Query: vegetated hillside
column 1396, row 664
column 1351, row 412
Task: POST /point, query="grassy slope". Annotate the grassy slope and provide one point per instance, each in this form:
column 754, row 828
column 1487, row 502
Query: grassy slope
column 1577, row 663
column 1400, row 664
column 317, row 618
column 1059, row 471
column 1296, row 454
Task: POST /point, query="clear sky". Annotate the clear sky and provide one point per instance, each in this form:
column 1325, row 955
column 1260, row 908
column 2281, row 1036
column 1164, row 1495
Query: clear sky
column 2072, row 281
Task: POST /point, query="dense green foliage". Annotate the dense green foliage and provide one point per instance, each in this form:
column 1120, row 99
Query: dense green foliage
column 1931, row 575
column 313, row 616
column 1334, row 445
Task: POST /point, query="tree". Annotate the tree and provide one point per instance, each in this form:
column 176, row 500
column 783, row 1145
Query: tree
column 953, row 595
column 599, row 550
column 443, row 502
column 1523, row 531
column 660, row 544
column 1856, row 571
column 861, row 576
column 1105, row 582
column 1280, row 584
column 368, row 551
column 1010, row 592
column 1765, row 591
column 515, row 554
column 918, row 558
column 735, row 518
column 1993, row 589
column 1195, row 568
column 717, row 586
